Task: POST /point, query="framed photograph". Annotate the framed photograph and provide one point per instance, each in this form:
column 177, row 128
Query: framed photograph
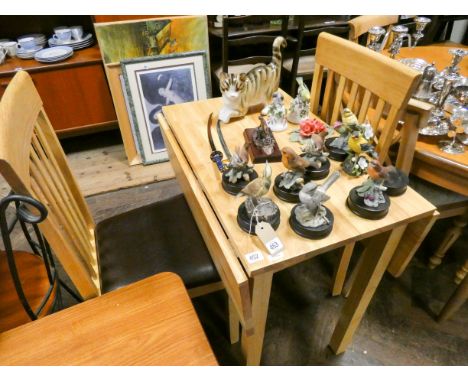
column 154, row 82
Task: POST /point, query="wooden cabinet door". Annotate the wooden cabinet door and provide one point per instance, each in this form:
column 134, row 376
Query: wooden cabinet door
column 76, row 98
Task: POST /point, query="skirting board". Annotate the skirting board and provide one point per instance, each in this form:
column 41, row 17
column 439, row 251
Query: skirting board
column 106, row 169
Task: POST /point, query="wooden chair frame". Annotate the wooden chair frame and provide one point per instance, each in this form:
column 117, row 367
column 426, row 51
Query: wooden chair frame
column 385, row 85
column 380, row 94
column 258, row 38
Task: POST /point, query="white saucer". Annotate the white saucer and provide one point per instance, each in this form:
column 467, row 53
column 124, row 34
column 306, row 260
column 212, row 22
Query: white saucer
column 53, row 53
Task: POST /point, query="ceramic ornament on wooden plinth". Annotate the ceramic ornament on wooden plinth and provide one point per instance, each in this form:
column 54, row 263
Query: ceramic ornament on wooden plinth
column 257, row 208
column 261, row 144
column 369, row 200
column 256, row 87
column 275, row 113
column 310, row 218
column 239, row 172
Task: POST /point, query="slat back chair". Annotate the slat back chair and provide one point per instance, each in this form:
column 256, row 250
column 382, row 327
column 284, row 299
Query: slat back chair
column 360, row 25
column 33, row 163
column 302, row 64
column 377, row 84
column 253, row 40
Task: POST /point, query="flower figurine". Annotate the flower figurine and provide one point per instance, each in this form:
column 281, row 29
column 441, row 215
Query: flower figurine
column 276, row 113
column 307, row 128
column 299, row 107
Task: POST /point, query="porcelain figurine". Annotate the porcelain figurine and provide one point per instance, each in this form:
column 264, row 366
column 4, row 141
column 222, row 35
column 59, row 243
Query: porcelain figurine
column 359, row 150
column 239, row 171
column 307, row 128
column 256, row 207
column 256, row 87
column 275, row 113
column 311, row 218
column 299, row 107
column 395, row 180
column 369, row 199
column 338, row 146
column 318, row 159
column 288, row 184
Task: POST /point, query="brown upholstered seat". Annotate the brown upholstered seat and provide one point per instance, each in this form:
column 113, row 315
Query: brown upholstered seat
column 160, row 237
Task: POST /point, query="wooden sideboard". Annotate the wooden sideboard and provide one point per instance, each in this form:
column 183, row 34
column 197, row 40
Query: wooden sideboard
column 75, row 92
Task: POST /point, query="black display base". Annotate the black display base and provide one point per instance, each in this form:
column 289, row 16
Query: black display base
column 396, row 185
column 335, row 154
column 311, row 232
column 356, row 204
column 312, row 173
column 235, row 188
column 289, row 196
column 243, row 219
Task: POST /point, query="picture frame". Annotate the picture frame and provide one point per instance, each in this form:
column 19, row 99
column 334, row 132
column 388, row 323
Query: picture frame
column 157, row 81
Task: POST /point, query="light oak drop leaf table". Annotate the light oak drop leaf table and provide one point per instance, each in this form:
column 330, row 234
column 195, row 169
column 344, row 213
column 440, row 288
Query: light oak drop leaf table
column 184, row 128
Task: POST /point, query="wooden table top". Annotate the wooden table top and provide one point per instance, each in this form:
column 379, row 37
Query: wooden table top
column 435, row 53
column 151, row 322
column 430, row 163
column 188, row 123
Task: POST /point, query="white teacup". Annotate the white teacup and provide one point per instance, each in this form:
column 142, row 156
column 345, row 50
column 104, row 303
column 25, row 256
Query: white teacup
column 62, row 34
column 10, row 47
column 77, row 32
column 27, row 43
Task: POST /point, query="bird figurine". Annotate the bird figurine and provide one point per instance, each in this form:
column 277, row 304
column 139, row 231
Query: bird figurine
column 311, row 212
column 389, row 173
column 292, row 161
column 259, row 186
column 358, row 144
column 302, row 91
column 348, row 117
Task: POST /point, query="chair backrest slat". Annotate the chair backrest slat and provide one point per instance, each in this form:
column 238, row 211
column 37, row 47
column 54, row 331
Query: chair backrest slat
column 372, row 85
column 33, row 163
column 361, row 24
column 364, row 106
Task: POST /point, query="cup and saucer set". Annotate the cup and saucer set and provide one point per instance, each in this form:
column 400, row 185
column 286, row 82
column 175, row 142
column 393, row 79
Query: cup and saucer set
column 73, row 37
column 26, row 46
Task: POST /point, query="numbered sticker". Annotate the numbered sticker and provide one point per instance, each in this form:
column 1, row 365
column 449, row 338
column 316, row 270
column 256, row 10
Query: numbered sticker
column 253, row 257
column 268, row 236
column 274, row 246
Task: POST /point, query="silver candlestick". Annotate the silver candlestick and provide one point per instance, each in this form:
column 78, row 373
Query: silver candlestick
column 421, row 23
column 459, row 122
column 400, row 32
column 373, row 37
column 437, row 123
column 451, row 72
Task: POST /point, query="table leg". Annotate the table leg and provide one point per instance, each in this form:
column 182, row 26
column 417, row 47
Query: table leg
column 451, row 236
column 457, row 299
column 412, row 238
column 234, row 322
column 375, row 259
column 252, row 343
column 342, row 269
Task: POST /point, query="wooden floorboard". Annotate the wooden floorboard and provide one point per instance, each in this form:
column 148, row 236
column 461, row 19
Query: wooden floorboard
column 100, row 170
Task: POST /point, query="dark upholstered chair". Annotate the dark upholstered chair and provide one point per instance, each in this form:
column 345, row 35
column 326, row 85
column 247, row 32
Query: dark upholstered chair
column 161, row 237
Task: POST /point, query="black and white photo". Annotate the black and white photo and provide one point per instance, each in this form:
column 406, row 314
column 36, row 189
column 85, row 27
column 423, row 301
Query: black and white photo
column 154, row 82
